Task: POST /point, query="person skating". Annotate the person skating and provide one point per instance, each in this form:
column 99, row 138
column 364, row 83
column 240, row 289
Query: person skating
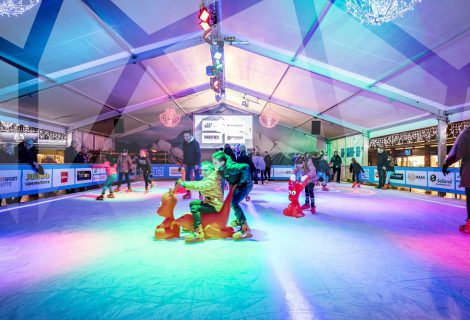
column 269, row 162
column 111, row 172
column 336, row 161
column 323, row 168
column 143, row 163
column 390, row 169
column 461, row 151
column 191, row 160
column 382, row 158
column 311, row 172
column 244, row 158
column 356, row 170
column 235, row 174
column 210, row 188
column 124, row 163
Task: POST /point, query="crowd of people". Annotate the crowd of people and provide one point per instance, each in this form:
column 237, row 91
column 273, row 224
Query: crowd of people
column 235, row 166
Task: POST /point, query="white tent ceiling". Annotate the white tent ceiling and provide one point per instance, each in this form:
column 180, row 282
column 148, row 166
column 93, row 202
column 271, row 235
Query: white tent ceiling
column 73, row 63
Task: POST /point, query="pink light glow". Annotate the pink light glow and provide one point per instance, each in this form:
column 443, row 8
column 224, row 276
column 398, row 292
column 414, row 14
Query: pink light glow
column 32, row 258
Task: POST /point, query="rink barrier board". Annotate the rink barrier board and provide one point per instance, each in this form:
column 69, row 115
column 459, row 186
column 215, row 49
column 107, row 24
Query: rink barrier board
column 16, row 180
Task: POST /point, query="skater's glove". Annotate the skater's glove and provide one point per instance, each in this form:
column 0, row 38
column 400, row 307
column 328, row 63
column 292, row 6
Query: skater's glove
column 445, row 170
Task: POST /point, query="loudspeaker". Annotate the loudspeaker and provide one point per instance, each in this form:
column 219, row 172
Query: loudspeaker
column 118, row 125
column 316, row 127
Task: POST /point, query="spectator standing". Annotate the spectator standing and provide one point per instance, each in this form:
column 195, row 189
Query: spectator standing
column 191, row 160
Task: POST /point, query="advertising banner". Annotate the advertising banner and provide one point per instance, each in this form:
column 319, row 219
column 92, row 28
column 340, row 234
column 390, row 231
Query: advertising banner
column 10, row 181
column 285, row 172
column 438, row 180
column 417, row 178
column 63, row 177
column 35, row 181
column 83, row 175
column 173, row 172
column 398, row 177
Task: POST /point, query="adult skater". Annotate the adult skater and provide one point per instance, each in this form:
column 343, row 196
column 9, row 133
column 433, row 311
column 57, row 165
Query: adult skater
column 461, row 151
column 240, row 175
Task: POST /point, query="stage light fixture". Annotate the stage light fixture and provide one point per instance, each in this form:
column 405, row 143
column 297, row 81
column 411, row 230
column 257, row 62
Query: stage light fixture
column 204, row 15
column 205, row 26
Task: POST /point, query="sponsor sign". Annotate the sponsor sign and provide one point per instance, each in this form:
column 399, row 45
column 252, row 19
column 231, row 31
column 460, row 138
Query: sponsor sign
column 213, row 125
column 398, row 177
column 234, row 138
column 417, row 178
column 158, row 171
column 10, row 181
column 376, row 175
column 98, row 174
column 83, row 176
column 438, row 180
column 34, row 181
column 282, row 172
column 174, row 172
column 63, row 177
column 212, row 137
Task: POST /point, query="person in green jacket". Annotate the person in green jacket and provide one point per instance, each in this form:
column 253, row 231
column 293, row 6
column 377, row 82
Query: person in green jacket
column 238, row 174
column 210, row 189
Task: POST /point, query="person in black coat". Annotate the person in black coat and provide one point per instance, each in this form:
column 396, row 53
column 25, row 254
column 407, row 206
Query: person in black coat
column 229, row 151
column 71, row 152
column 269, row 162
column 336, row 160
column 382, row 158
column 244, row 158
column 28, row 153
column 191, row 159
column 143, row 163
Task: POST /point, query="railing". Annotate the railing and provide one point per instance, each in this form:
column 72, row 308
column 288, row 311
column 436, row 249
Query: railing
column 16, row 180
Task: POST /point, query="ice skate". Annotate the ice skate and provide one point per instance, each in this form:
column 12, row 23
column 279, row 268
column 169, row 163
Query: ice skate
column 117, row 189
column 465, row 228
column 313, row 210
column 325, row 189
column 305, row 206
column 146, row 190
column 111, row 196
column 354, row 184
column 129, row 189
column 100, row 197
column 196, row 236
column 187, row 195
column 243, row 233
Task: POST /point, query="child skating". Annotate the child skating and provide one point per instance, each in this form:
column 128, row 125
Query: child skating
column 111, row 172
column 311, row 172
column 356, row 171
column 210, row 189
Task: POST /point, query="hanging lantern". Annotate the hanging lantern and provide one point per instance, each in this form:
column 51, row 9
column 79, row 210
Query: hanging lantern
column 16, row 7
column 170, row 118
column 268, row 118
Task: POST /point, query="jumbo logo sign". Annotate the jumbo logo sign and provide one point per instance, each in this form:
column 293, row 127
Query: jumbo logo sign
column 37, row 176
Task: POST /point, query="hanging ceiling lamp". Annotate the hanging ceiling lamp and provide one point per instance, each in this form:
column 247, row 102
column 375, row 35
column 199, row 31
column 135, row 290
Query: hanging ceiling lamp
column 16, row 7
column 170, row 118
column 268, row 118
column 376, row 12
